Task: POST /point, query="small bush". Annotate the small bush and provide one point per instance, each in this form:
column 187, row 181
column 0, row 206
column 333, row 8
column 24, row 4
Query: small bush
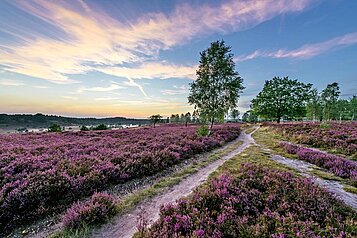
column 203, row 130
column 325, row 126
column 55, row 128
column 84, row 128
column 101, row 127
column 96, row 210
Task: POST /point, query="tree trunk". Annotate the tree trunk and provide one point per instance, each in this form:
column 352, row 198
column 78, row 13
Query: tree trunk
column 212, row 121
column 154, row 124
column 186, row 124
column 278, row 120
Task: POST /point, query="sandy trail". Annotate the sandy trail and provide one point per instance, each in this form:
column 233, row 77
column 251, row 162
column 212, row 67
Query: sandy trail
column 125, row 225
column 334, row 187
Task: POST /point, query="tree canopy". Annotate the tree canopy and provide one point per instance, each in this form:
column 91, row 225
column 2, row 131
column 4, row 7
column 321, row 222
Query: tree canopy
column 329, row 97
column 155, row 119
column 218, row 85
column 282, row 97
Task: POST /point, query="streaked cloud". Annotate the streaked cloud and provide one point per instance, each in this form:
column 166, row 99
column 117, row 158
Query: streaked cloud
column 40, row 86
column 176, row 91
column 70, row 98
column 150, row 70
column 306, row 51
column 11, row 82
column 107, row 98
column 93, row 39
column 109, row 88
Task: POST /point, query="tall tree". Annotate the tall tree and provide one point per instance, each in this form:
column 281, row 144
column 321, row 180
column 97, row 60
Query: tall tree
column 314, row 106
column 353, row 107
column 218, row 85
column 329, row 97
column 155, row 119
column 187, row 118
column 282, row 97
column 342, row 106
column 235, row 114
column 249, row 116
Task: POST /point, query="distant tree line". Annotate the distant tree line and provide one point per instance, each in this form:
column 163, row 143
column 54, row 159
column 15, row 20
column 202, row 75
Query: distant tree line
column 41, row 120
column 286, row 99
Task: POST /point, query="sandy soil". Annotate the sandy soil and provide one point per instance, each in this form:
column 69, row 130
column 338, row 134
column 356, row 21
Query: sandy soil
column 334, row 187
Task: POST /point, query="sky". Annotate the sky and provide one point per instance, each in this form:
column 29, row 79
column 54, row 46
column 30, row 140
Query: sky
column 136, row 58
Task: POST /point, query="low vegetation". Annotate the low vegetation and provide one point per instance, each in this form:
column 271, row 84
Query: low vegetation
column 339, row 166
column 96, row 210
column 255, row 202
column 334, row 137
column 44, row 173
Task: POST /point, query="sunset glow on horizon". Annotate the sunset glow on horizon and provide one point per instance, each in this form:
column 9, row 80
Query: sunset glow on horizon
column 136, row 58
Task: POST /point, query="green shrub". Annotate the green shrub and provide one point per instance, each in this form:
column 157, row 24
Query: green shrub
column 84, row 128
column 203, row 130
column 55, row 128
column 101, row 127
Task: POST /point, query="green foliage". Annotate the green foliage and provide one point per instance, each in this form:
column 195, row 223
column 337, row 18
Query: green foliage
column 155, row 119
column 314, row 106
column 218, row 84
column 282, row 97
column 329, row 97
column 100, row 127
column 84, row 128
column 235, row 114
column 203, row 130
column 249, row 116
column 55, row 128
column 325, row 126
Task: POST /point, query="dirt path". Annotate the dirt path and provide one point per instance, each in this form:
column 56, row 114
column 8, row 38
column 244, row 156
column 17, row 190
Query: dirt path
column 333, row 187
column 125, row 226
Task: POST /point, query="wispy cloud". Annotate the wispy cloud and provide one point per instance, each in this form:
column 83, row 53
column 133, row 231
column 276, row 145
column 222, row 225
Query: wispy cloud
column 306, row 51
column 93, row 39
column 40, row 86
column 11, row 82
column 150, row 70
column 132, row 83
column 176, row 91
column 107, row 98
column 111, row 87
column 70, row 98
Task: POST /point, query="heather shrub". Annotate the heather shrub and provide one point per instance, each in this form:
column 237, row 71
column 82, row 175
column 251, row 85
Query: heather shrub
column 42, row 173
column 337, row 165
column 337, row 137
column 255, row 202
column 96, row 210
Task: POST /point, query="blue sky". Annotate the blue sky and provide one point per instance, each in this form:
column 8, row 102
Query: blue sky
column 137, row 58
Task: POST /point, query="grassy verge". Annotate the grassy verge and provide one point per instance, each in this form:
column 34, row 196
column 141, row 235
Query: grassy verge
column 134, row 199
column 253, row 155
column 250, row 129
column 350, row 189
column 270, row 139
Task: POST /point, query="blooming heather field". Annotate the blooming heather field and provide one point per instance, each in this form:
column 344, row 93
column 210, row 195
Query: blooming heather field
column 256, row 202
column 340, row 137
column 43, row 172
column 337, row 165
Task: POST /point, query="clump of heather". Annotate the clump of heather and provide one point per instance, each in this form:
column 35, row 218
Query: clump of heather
column 96, row 210
column 339, row 137
column 337, row 165
column 256, row 202
column 43, row 173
